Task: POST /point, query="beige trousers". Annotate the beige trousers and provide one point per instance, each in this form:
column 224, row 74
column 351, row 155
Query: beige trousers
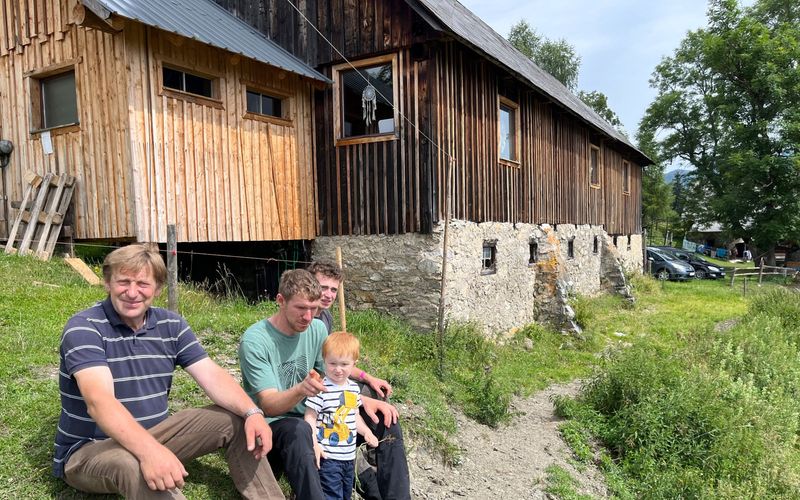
column 106, row 467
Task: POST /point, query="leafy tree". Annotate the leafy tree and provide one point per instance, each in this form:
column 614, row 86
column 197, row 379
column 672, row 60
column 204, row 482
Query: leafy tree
column 729, row 103
column 556, row 57
column 656, row 194
column 599, row 102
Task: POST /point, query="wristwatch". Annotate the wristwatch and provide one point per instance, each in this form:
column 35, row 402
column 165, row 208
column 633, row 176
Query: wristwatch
column 253, row 411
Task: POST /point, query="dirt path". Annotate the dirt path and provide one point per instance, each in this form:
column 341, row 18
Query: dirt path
column 507, row 463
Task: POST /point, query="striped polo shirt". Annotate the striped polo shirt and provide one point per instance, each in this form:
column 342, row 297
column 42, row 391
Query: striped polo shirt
column 141, row 363
column 336, row 418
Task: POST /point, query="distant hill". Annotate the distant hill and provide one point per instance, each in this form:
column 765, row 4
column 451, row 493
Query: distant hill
column 669, row 176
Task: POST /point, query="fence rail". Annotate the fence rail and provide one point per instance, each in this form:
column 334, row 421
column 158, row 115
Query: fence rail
column 761, row 271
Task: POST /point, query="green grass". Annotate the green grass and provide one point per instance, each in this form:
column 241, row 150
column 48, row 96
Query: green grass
column 562, row 485
column 37, row 298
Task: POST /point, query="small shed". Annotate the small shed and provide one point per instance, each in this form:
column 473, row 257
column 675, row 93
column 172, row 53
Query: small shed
column 165, row 113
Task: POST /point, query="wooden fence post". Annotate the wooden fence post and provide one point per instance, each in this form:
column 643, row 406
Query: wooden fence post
column 172, row 268
column 448, row 185
column 761, row 271
column 733, row 275
column 342, row 310
column 744, row 287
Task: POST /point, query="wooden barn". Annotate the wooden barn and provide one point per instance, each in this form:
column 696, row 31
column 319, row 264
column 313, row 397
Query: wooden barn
column 418, row 84
column 164, row 113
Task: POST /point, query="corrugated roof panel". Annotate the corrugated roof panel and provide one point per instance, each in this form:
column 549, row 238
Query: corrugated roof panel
column 207, row 22
column 471, row 29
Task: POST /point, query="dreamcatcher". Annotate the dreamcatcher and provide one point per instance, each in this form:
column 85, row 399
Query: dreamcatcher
column 369, row 102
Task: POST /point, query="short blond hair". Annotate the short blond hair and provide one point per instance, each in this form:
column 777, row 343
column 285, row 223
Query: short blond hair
column 134, row 258
column 299, row 282
column 341, row 344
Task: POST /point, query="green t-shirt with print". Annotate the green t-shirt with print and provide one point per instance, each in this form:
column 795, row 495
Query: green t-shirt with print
column 270, row 359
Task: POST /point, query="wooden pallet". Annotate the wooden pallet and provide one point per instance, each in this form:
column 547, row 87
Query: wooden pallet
column 41, row 215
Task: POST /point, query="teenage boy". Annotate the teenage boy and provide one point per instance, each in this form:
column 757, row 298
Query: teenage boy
column 117, row 359
column 334, row 418
column 277, row 355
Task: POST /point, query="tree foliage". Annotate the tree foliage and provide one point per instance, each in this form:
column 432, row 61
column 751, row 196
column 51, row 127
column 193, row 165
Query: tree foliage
column 557, row 57
column 728, row 103
column 656, row 194
column 599, row 102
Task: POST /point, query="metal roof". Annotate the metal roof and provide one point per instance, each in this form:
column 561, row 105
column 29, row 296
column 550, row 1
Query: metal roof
column 470, row 29
column 207, row 22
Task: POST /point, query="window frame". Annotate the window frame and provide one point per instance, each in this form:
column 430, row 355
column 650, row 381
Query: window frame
column 36, row 104
column 214, row 101
column 287, row 104
column 492, row 269
column 503, row 101
column 593, row 148
column 626, row 177
column 338, row 119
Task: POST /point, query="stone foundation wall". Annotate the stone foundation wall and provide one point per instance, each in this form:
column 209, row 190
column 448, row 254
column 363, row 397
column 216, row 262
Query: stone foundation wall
column 401, row 274
column 631, row 256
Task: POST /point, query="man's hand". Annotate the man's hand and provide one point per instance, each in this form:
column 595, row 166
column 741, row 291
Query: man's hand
column 162, row 470
column 311, row 385
column 381, row 387
column 374, row 406
column 259, row 435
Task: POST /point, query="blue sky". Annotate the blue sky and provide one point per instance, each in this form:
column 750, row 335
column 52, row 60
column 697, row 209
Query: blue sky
column 620, row 41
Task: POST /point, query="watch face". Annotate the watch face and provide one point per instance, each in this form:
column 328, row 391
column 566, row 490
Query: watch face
column 369, row 93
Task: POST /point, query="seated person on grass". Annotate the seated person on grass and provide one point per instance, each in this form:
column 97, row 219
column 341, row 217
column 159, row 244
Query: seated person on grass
column 277, row 356
column 117, row 359
column 334, row 418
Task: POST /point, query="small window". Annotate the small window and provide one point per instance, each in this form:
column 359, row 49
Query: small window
column 594, row 166
column 615, row 242
column 509, row 130
column 54, row 100
column 626, row 172
column 489, row 259
column 533, row 255
column 596, row 246
column 264, row 104
column 183, row 81
column 366, row 98
column 571, row 248
column 629, row 242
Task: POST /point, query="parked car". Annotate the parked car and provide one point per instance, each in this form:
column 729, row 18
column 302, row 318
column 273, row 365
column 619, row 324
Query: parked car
column 702, row 267
column 664, row 266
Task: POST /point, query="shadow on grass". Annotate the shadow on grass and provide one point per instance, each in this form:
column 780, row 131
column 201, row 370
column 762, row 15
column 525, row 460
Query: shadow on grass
column 208, row 476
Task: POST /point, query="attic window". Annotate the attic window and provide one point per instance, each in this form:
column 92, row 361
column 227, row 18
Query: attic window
column 594, row 166
column 188, row 85
column 364, row 107
column 626, row 172
column 489, row 258
column 508, row 128
column 267, row 105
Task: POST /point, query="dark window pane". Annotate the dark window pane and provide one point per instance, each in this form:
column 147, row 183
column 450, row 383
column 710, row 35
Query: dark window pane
column 198, row 85
column 361, row 113
column 173, row 79
column 253, row 102
column 271, row 106
column 59, row 101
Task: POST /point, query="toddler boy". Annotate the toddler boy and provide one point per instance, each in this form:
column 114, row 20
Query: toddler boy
column 334, row 418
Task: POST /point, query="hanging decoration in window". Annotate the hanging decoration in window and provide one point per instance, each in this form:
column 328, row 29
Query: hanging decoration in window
column 368, row 104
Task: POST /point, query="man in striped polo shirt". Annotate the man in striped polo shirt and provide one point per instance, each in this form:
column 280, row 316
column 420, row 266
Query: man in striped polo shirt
column 117, row 360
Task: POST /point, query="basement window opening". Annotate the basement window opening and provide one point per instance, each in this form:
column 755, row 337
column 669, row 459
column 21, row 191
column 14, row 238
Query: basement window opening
column 596, row 246
column 571, row 248
column 533, row 255
column 489, row 260
column 615, row 242
column 629, row 242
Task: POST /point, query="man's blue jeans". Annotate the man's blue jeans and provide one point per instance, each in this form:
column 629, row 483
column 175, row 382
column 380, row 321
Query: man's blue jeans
column 337, row 477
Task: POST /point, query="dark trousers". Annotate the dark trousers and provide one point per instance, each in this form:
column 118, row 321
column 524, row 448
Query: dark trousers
column 293, row 454
column 337, row 478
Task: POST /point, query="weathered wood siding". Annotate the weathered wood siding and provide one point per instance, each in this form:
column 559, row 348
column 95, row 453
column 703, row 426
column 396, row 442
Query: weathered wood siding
column 143, row 158
column 217, row 174
column 36, row 35
column 448, row 93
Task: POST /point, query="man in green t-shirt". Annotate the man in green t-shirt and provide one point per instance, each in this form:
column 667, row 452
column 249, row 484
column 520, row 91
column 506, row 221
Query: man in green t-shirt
column 277, row 355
